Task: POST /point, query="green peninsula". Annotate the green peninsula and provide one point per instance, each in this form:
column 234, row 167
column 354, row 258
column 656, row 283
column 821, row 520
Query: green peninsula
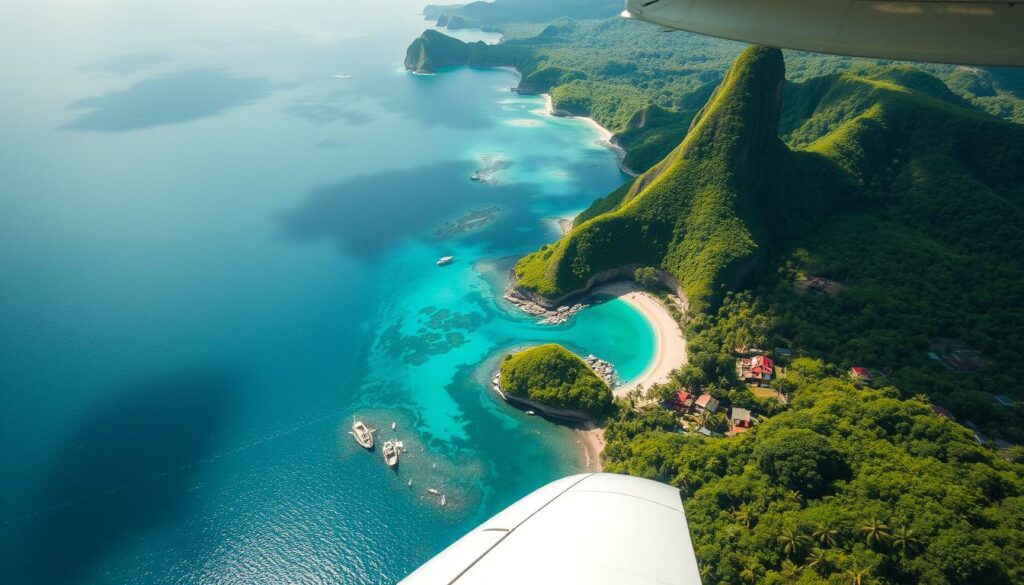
column 554, row 376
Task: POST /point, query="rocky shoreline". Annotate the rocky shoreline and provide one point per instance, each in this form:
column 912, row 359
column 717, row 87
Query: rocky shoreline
column 604, row 370
column 555, row 316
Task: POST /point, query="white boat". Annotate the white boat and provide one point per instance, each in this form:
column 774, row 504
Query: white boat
column 400, row 446
column 390, row 453
column 445, row 260
column 433, row 491
column 410, row 483
column 444, row 499
column 342, row 76
column 393, row 425
column 530, row 412
column 362, row 434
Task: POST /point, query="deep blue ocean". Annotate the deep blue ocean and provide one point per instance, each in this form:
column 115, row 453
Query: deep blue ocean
column 216, row 248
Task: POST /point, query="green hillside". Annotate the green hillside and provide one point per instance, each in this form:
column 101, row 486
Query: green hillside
column 645, row 85
column 712, row 208
column 850, row 481
column 555, row 376
column 694, row 213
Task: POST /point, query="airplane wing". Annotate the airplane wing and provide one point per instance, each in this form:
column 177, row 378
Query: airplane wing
column 594, row 528
column 968, row 32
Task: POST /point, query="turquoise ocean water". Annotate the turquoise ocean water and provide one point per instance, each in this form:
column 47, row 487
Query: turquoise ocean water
column 214, row 252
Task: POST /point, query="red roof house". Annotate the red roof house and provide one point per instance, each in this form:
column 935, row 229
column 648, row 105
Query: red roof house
column 756, row 369
column 860, row 373
column 684, row 400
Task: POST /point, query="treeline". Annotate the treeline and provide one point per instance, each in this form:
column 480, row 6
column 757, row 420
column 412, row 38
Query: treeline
column 850, row 485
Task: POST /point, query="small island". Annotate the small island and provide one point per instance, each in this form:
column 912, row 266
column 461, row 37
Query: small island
column 555, row 381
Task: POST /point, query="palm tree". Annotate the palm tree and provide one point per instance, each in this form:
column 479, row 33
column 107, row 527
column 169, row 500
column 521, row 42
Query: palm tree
column 793, row 496
column 816, row 561
column 743, row 516
column 789, row 569
column 857, row 575
column 875, row 531
column 791, row 541
column 902, row 539
column 752, row 573
column 825, row 534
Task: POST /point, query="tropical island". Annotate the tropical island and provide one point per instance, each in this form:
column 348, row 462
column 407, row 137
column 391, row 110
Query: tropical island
column 555, row 380
column 844, row 237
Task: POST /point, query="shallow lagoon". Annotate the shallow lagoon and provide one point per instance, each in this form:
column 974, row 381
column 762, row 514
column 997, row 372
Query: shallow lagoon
column 215, row 252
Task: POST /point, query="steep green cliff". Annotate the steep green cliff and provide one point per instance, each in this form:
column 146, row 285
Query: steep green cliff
column 732, row 190
column 433, row 50
column 698, row 212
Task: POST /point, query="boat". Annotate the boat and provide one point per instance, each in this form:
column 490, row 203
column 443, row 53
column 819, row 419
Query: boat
column 390, row 453
column 341, row 76
column 433, row 491
column 410, row 483
column 393, row 425
column 400, row 446
column 445, row 260
column 362, row 434
column 530, row 412
column 444, row 499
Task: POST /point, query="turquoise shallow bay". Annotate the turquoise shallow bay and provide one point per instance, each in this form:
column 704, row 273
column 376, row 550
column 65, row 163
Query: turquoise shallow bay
column 216, row 252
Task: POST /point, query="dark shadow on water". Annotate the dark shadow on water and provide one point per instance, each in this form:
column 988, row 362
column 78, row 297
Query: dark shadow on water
column 172, row 98
column 367, row 215
column 334, row 106
column 127, row 64
column 125, row 471
column 451, row 99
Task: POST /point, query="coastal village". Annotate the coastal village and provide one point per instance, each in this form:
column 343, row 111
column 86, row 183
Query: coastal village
column 701, row 412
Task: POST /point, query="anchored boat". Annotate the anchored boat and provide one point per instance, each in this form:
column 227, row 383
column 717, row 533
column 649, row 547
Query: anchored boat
column 445, row 260
column 390, row 453
column 362, row 434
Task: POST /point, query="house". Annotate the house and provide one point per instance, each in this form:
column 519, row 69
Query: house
column 755, row 369
column 943, row 412
column 684, row 401
column 706, row 402
column 860, row 374
column 740, row 417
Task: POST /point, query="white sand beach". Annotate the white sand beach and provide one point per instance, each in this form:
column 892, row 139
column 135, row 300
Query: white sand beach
column 670, row 345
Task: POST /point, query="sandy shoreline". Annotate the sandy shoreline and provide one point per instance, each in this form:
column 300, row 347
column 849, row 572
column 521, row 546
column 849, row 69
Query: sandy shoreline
column 591, row 441
column 669, row 343
column 606, row 135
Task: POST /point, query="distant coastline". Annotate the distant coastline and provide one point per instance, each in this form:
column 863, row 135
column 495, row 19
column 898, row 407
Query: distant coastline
column 607, row 139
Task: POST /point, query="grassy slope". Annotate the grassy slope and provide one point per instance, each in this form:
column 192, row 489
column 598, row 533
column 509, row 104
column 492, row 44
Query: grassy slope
column 694, row 213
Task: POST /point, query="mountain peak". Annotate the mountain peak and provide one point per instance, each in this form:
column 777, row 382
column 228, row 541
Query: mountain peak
column 694, row 214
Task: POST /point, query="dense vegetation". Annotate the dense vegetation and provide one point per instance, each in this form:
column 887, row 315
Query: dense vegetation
column 646, row 85
column 902, row 188
column 850, row 481
column 553, row 375
column 692, row 213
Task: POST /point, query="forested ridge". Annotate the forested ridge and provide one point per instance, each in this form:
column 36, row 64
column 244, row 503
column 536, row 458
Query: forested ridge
column 852, row 213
